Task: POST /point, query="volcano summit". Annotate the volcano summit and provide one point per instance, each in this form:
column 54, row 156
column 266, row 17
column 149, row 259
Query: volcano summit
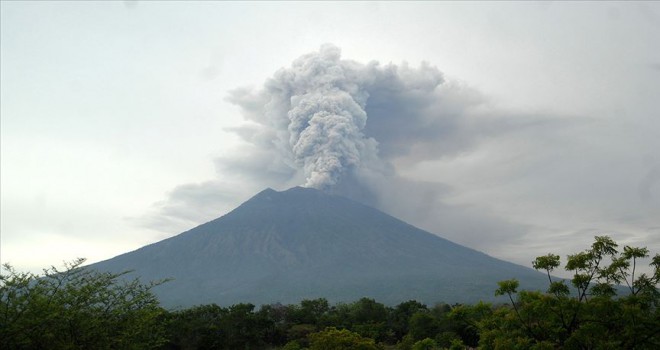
column 303, row 243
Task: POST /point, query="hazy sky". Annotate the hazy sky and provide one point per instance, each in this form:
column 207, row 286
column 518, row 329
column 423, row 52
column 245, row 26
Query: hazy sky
column 513, row 128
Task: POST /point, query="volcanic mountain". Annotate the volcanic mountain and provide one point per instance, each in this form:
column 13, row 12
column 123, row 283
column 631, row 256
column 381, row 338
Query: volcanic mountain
column 303, row 243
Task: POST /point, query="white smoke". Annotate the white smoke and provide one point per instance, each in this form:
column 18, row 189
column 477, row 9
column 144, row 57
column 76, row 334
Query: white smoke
column 351, row 129
column 314, row 113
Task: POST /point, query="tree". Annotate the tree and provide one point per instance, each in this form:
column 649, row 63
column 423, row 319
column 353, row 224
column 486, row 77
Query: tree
column 400, row 317
column 195, row 328
column 465, row 323
column 591, row 314
column 334, row 339
column 425, row 344
column 77, row 308
column 423, row 325
column 309, row 311
column 244, row 328
column 365, row 317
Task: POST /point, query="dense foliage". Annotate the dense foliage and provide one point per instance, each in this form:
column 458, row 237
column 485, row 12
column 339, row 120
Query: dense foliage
column 312, row 324
column 591, row 315
column 607, row 304
column 77, row 309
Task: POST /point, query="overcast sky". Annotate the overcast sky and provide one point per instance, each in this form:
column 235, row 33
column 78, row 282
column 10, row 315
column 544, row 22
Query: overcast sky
column 516, row 129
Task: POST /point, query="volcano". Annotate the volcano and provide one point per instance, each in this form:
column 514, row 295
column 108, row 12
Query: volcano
column 303, row 243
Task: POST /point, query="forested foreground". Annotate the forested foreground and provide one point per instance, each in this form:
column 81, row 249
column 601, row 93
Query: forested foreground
column 608, row 304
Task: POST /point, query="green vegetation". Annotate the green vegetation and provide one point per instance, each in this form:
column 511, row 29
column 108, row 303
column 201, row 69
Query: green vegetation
column 607, row 304
column 77, row 309
column 591, row 316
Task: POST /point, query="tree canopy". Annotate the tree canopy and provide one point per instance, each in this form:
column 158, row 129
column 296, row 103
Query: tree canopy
column 77, row 308
column 607, row 304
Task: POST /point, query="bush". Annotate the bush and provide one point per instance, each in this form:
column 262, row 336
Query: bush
column 77, row 308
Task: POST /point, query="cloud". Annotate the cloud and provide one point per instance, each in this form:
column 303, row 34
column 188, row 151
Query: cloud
column 189, row 205
column 649, row 181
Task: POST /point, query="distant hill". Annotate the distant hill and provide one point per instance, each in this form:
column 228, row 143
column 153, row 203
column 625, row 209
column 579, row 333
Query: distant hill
column 303, row 243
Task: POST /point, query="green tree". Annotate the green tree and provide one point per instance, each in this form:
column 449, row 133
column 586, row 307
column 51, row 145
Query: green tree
column 77, row 308
column 298, row 321
column 293, row 345
column 299, row 333
column 334, row 339
column 425, row 344
column 309, row 311
column 465, row 322
column 400, row 317
column 589, row 316
column 195, row 328
column 423, row 325
column 246, row 329
column 365, row 317
column 278, row 316
column 215, row 327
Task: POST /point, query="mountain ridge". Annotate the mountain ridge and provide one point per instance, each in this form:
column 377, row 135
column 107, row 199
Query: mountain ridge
column 303, row 243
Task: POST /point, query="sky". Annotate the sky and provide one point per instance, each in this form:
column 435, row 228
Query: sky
column 516, row 129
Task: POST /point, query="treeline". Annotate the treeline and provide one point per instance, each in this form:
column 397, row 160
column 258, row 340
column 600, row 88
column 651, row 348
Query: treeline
column 306, row 325
column 81, row 309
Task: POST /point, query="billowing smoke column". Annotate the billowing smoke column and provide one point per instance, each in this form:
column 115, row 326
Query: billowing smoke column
column 314, row 114
column 350, row 129
column 326, row 116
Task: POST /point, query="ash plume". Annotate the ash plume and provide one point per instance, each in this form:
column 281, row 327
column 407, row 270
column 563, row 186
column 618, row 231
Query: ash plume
column 326, row 116
column 351, row 129
column 433, row 152
column 314, row 113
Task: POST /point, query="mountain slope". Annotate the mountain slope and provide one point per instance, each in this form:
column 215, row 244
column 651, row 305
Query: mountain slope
column 303, row 243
